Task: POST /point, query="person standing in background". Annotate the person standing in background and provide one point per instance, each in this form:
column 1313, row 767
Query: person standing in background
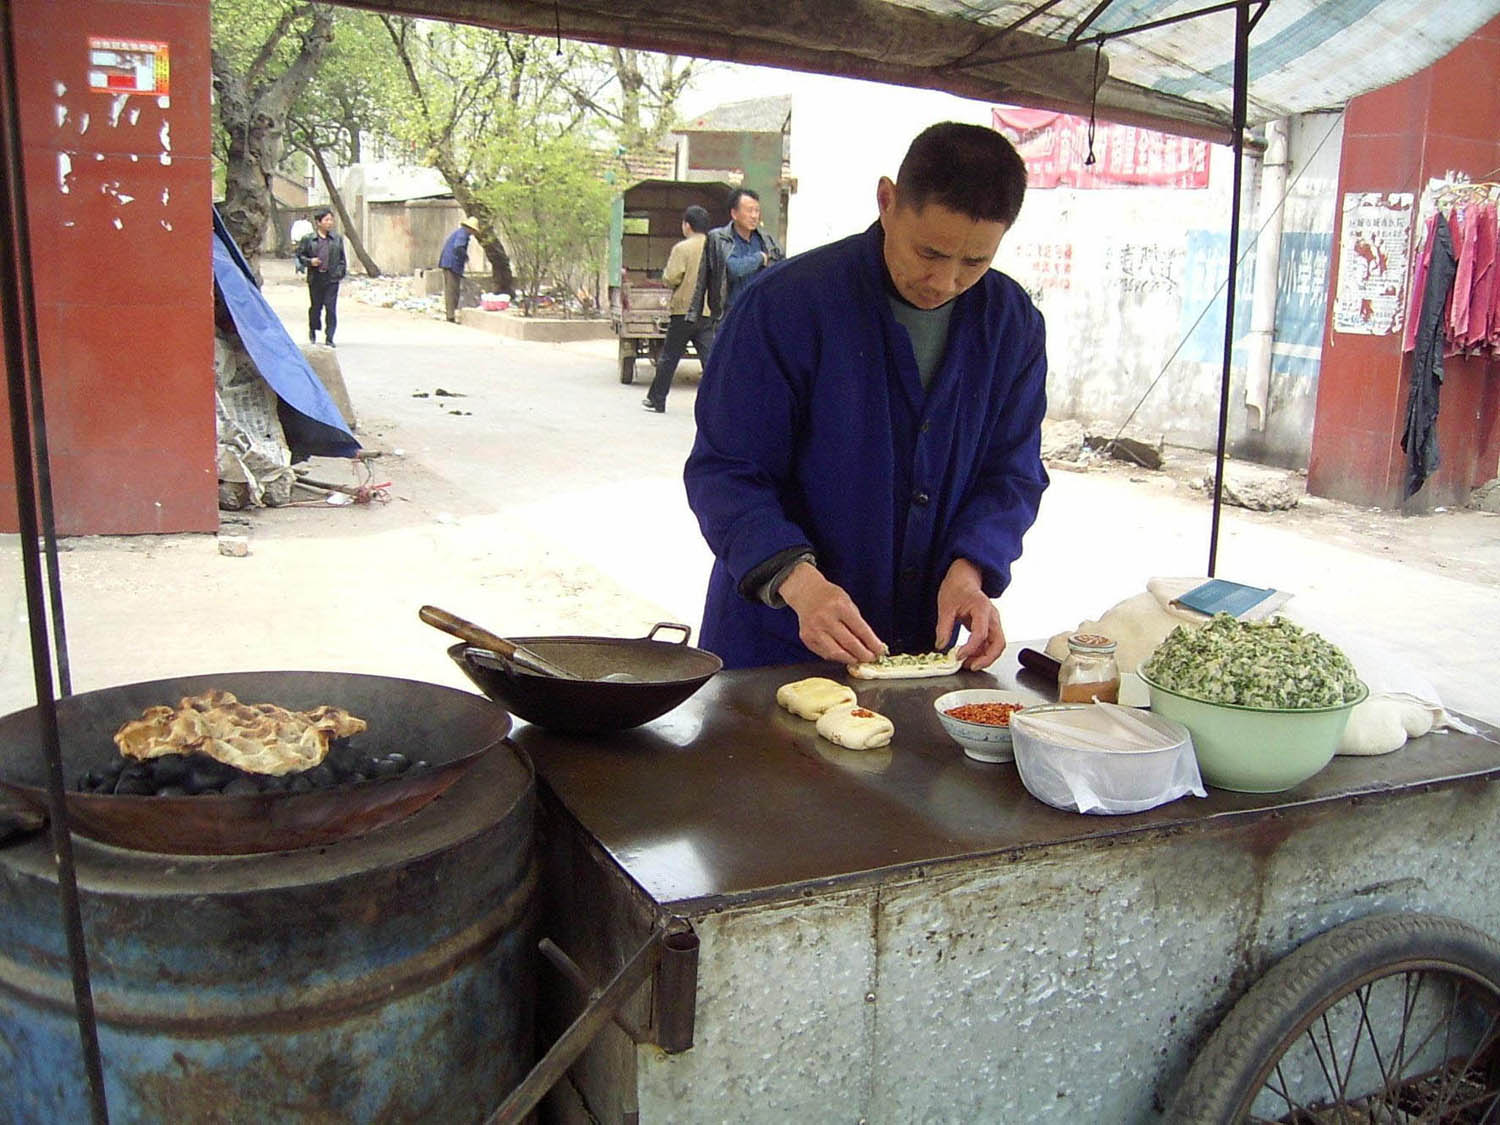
column 300, row 230
column 452, row 261
column 732, row 255
column 681, row 272
column 322, row 253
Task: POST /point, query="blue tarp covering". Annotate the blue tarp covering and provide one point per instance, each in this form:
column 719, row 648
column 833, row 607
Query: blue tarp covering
column 316, row 427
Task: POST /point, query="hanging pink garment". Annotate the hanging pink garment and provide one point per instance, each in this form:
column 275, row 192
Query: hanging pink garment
column 1418, row 287
column 1466, row 242
column 1481, row 286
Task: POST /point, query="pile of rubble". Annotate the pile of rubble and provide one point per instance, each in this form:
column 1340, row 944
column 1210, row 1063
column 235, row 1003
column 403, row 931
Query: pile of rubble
column 395, row 293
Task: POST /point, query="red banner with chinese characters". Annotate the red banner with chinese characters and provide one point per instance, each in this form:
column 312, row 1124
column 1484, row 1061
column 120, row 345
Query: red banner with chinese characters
column 1055, row 145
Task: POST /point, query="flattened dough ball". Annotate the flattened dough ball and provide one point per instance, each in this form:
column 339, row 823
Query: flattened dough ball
column 811, row 697
column 856, row 728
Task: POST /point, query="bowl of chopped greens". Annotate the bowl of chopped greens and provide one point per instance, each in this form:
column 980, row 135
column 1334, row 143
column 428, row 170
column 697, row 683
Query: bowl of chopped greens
column 1266, row 701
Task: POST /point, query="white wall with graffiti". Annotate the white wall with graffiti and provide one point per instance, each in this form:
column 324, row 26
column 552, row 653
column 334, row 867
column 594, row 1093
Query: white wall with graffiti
column 1128, row 270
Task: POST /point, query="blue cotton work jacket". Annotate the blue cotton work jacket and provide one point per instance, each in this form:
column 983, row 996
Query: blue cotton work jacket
column 814, row 429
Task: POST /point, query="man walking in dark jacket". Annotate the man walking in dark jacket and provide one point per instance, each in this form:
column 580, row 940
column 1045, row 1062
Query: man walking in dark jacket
column 322, row 252
column 732, row 255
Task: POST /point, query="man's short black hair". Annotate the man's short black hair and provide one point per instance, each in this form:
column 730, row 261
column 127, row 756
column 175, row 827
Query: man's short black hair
column 320, row 212
column 739, row 193
column 965, row 168
column 697, row 218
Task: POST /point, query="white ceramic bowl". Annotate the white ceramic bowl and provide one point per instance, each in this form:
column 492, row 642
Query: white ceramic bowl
column 983, row 742
column 1103, row 781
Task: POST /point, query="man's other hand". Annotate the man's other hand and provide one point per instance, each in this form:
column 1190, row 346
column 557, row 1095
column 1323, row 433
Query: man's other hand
column 962, row 600
column 828, row 621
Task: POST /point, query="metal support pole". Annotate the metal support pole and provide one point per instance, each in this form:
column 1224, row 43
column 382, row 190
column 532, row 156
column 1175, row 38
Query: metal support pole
column 1241, row 92
column 18, row 325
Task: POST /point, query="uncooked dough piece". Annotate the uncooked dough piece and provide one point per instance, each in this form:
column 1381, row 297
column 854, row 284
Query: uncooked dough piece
column 856, row 728
column 811, row 697
column 1375, row 727
column 907, row 666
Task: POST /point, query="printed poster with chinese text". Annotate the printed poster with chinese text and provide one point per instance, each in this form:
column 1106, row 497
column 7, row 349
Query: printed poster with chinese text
column 1373, row 259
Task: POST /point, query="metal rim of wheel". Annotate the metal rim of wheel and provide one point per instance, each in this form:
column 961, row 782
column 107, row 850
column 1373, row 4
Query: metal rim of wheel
column 1311, row 1043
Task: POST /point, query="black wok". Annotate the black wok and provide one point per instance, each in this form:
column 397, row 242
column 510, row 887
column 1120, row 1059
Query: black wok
column 663, row 674
column 449, row 729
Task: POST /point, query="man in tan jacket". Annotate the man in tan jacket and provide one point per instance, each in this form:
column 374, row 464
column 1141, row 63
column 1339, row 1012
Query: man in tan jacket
column 681, row 272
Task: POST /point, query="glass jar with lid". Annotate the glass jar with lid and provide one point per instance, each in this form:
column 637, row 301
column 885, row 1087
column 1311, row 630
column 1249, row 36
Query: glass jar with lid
column 1090, row 671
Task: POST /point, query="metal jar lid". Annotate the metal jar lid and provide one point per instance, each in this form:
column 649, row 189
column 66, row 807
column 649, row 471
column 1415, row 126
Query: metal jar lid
column 1091, row 642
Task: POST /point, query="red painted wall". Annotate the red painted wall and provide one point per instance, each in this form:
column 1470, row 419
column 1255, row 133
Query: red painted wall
column 1447, row 118
column 118, row 195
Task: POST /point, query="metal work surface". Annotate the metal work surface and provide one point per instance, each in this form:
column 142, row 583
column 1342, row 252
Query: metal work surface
column 730, row 799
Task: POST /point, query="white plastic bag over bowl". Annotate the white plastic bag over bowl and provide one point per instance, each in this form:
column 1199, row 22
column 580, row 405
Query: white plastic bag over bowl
column 1089, row 758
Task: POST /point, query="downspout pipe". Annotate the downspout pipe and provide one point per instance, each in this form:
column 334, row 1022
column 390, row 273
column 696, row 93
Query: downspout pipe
column 1269, row 221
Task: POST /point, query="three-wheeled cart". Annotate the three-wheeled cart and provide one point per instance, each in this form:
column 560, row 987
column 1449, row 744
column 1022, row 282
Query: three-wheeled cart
column 645, row 224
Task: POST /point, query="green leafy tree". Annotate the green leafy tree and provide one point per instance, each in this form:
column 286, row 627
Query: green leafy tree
column 556, row 208
column 264, row 53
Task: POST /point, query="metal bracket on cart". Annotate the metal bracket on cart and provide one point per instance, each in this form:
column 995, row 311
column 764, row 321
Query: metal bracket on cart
column 670, row 957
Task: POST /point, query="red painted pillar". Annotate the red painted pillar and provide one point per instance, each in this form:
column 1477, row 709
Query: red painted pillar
column 1442, row 120
column 118, row 194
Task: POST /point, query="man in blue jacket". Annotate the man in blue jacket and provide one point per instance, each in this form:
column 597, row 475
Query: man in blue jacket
column 869, row 427
column 453, row 260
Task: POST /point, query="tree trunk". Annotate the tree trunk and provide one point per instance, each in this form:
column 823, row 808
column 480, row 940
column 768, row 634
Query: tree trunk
column 252, row 113
column 351, row 233
column 500, row 276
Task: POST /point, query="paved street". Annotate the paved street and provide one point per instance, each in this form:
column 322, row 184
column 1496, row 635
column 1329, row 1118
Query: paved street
column 551, row 502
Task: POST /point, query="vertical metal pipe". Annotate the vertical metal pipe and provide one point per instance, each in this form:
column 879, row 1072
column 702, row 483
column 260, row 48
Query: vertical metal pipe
column 1241, row 91
column 38, row 416
column 676, row 993
column 17, row 325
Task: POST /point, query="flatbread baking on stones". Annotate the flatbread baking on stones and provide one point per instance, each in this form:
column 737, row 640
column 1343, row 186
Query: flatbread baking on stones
column 907, row 666
column 811, row 697
column 856, row 728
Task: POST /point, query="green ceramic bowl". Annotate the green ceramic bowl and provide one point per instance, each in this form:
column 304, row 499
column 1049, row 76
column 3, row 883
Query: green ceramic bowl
column 1255, row 749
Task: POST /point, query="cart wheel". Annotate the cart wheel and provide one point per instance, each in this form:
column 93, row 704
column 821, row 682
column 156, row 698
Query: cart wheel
column 1393, row 1018
column 627, row 369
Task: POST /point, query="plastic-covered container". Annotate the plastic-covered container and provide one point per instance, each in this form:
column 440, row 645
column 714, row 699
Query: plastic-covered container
column 1078, row 757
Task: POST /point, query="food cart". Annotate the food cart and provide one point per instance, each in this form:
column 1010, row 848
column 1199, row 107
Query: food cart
column 905, row 934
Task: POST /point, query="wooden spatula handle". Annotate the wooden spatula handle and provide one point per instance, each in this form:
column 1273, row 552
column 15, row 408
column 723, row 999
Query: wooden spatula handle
column 456, row 626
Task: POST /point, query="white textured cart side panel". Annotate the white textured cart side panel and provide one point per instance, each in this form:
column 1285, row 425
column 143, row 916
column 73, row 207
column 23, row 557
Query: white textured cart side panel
column 1069, row 985
column 1048, row 989
column 783, row 1027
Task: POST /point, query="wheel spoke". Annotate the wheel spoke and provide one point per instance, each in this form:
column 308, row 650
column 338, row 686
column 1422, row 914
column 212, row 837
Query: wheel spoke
column 1362, row 996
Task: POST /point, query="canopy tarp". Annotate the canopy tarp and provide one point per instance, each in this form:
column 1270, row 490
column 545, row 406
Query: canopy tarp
column 1167, row 64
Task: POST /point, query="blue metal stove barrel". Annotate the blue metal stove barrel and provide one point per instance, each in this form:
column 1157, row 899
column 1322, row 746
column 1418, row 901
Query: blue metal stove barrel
column 383, row 978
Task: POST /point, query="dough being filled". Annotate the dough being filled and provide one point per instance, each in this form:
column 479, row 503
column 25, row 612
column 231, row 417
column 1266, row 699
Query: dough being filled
column 907, row 666
column 856, row 728
column 811, row 697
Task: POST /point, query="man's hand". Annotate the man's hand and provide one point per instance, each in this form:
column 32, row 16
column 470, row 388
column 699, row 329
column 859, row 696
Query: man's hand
column 828, row 621
column 315, row 261
column 961, row 599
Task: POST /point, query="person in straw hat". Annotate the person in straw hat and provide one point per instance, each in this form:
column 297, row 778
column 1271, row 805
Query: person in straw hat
column 451, row 261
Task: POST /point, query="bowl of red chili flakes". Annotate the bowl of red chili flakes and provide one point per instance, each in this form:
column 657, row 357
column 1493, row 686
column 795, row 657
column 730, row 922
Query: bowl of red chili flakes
column 978, row 719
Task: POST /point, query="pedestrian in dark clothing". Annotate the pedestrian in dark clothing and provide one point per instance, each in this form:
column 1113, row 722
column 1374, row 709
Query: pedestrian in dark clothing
column 681, row 273
column 322, row 253
column 732, row 255
column 452, row 261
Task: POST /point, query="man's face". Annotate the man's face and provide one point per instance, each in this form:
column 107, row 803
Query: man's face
column 325, row 224
column 746, row 213
column 934, row 254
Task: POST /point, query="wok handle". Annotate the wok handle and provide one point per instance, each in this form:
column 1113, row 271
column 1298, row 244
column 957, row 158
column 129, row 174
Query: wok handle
column 476, row 635
column 687, row 632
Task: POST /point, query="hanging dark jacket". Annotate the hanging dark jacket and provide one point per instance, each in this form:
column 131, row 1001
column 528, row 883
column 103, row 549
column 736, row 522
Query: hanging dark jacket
column 1419, row 439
